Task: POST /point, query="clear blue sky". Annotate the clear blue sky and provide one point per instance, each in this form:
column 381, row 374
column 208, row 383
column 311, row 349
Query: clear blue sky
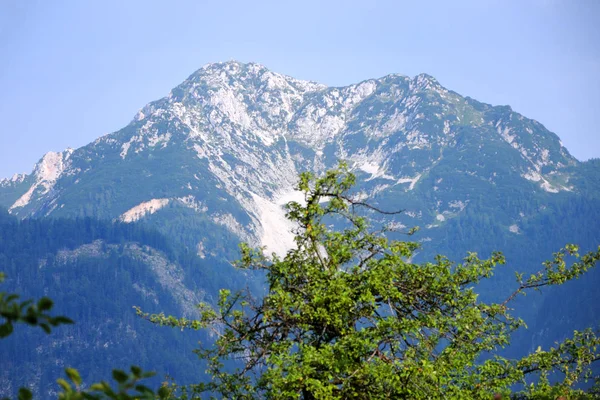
column 71, row 71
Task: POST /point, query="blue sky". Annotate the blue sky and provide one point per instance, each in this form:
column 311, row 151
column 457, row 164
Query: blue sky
column 71, row 71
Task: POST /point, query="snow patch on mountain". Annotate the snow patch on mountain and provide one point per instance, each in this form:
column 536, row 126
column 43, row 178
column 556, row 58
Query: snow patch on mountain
column 535, row 176
column 275, row 230
column 411, row 181
column 156, row 139
column 505, row 133
column 232, row 106
column 372, row 162
column 318, row 122
column 446, row 127
column 191, row 202
column 316, row 128
column 547, row 186
column 200, row 250
column 125, row 149
column 458, row 204
column 369, row 168
column 143, row 209
column 24, row 199
column 397, row 122
column 46, row 173
column 15, row 179
column 152, row 206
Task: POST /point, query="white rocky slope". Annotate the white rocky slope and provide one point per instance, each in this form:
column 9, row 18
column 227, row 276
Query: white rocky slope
column 235, row 136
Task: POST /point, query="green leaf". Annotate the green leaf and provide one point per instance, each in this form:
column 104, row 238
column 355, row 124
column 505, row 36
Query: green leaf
column 148, row 374
column 45, row 304
column 24, row 394
column 11, row 297
column 64, row 384
column 119, row 376
column 97, row 386
column 143, row 389
column 136, row 371
column 61, row 320
column 73, row 374
column 163, row 392
column 6, row 329
column 45, row 327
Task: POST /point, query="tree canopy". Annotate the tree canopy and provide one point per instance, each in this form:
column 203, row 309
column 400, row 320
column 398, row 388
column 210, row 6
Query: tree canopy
column 347, row 314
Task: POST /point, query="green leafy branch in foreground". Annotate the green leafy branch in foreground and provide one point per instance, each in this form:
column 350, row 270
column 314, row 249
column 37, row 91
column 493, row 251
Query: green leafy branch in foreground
column 128, row 387
column 35, row 314
column 348, row 315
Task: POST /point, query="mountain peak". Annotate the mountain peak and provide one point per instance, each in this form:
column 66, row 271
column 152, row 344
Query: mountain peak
column 46, row 173
column 228, row 72
column 245, row 131
column 232, row 67
column 425, row 76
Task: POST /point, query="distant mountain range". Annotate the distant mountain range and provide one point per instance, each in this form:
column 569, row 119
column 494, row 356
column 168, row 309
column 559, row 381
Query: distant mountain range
column 212, row 163
column 229, row 142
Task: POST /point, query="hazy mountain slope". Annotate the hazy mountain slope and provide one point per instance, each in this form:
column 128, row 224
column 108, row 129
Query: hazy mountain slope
column 231, row 139
column 96, row 272
column 212, row 163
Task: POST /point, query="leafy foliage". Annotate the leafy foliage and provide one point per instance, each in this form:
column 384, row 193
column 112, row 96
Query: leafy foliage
column 348, row 315
column 128, row 387
column 35, row 314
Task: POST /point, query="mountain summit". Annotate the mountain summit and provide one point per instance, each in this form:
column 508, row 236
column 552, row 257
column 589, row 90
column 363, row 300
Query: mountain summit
column 227, row 144
column 213, row 163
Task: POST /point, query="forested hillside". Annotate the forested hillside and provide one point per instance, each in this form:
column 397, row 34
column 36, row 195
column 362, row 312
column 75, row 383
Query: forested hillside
column 153, row 213
column 96, row 271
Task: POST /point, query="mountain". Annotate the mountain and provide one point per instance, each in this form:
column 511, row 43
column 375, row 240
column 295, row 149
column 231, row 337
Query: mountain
column 228, row 144
column 212, row 163
column 95, row 272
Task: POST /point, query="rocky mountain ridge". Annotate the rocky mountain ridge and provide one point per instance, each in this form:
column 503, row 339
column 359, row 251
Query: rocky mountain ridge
column 213, row 163
column 240, row 134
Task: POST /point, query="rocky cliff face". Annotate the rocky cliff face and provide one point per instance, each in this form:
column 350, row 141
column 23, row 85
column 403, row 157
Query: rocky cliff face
column 213, row 163
column 228, row 143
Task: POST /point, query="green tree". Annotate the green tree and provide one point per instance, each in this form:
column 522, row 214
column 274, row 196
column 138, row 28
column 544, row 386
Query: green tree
column 348, row 315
